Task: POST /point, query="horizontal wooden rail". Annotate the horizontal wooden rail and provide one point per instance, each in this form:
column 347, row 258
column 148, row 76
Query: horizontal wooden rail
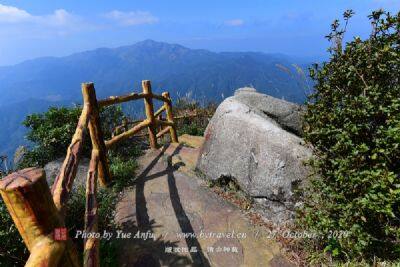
column 163, row 131
column 112, row 100
column 159, row 111
column 120, row 99
column 175, row 118
column 160, row 97
column 126, row 124
column 127, row 134
column 164, row 123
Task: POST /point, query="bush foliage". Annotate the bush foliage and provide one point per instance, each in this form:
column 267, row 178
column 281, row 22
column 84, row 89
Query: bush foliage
column 185, row 107
column 12, row 250
column 51, row 132
column 353, row 122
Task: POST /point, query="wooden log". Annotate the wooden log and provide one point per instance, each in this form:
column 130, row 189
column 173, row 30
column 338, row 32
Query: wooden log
column 119, row 99
column 91, row 245
column 159, row 111
column 148, row 104
column 28, row 199
column 164, row 131
column 160, row 97
column 127, row 134
column 30, row 204
column 170, row 117
column 63, row 183
column 96, row 133
column 164, row 123
column 46, row 252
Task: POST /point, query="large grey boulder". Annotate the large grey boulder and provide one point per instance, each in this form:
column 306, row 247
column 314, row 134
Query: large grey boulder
column 254, row 149
column 53, row 168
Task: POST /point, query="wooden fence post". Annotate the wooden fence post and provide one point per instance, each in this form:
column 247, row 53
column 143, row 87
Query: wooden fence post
column 29, row 201
column 148, row 104
column 96, row 133
column 170, row 117
column 91, row 256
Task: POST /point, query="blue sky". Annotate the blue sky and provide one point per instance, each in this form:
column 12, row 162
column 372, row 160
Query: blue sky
column 30, row 29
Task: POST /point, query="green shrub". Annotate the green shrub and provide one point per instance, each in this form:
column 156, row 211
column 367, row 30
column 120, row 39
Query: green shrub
column 74, row 220
column 353, row 122
column 192, row 125
column 123, row 172
column 12, row 250
column 51, row 132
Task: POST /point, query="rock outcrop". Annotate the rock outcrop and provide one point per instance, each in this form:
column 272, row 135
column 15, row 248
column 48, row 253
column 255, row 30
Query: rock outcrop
column 53, row 168
column 19, row 155
column 253, row 138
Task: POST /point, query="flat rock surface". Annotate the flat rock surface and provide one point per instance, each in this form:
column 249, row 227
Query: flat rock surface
column 166, row 202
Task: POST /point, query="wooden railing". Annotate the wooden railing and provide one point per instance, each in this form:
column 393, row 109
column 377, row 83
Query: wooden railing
column 39, row 214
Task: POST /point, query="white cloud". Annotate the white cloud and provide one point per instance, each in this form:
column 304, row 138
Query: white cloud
column 61, row 17
column 234, row 22
column 131, row 18
column 10, row 14
column 20, row 22
column 14, row 15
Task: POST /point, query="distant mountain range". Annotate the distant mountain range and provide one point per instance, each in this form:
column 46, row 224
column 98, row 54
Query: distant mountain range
column 34, row 85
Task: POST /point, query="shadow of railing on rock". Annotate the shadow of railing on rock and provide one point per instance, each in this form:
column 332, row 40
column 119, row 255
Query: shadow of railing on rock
column 184, row 223
column 144, row 223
